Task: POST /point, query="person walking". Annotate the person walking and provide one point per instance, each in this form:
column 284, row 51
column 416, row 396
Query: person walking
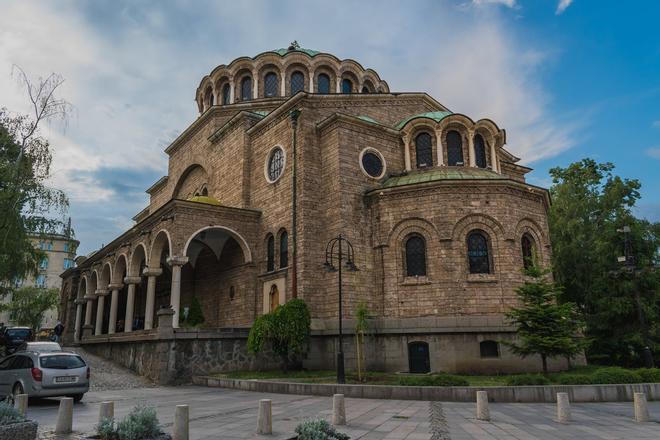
column 58, row 330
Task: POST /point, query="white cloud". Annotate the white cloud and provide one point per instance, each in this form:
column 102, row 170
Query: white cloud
column 562, row 5
column 656, row 123
column 653, row 152
column 507, row 3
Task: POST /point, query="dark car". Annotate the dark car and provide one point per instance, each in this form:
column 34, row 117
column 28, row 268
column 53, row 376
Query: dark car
column 13, row 337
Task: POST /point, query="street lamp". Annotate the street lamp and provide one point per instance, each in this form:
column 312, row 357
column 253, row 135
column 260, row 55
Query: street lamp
column 338, row 249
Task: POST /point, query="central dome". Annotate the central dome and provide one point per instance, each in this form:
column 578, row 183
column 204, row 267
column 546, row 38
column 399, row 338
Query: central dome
column 282, row 73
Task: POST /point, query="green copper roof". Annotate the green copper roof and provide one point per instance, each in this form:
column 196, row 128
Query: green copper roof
column 443, row 173
column 260, row 112
column 436, row 116
column 368, row 119
column 283, row 51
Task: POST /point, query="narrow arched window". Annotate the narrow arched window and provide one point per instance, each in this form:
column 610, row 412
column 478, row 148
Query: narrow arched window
column 297, row 82
column 270, row 251
column 528, row 251
column 479, row 151
column 209, row 97
column 365, row 89
column 478, row 258
column 205, row 192
column 454, row 149
column 284, row 249
column 323, row 84
column 226, row 94
column 415, row 256
column 489, row 349
column 424, row 150
column 346, row 86
column 246, row 89
column 270, row 85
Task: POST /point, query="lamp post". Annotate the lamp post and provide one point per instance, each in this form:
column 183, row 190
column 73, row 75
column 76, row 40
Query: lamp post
column 338, row 249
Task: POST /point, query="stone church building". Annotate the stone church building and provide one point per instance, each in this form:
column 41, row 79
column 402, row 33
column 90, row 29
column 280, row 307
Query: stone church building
column 291, row 148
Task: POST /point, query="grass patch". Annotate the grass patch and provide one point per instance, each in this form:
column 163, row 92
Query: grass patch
column 577, row 376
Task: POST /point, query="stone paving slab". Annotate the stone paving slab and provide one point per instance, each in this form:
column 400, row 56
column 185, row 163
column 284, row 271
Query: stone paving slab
column 218, row 413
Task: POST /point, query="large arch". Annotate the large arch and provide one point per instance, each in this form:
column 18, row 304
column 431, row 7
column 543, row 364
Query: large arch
column 247, row 253
column 119, row 272
column 161, row 243
column 191, row 180
column 138, row 255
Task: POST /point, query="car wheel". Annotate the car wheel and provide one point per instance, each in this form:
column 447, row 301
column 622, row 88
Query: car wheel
column 77, row 397
column 18, row 389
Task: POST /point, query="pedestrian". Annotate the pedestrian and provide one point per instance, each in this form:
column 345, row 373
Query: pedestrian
column 58, row 330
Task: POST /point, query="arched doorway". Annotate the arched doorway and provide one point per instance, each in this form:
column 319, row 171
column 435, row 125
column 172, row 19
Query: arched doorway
column 418, row 357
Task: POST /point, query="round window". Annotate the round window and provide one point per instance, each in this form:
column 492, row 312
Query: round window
column 372, row 164
column 275, row 164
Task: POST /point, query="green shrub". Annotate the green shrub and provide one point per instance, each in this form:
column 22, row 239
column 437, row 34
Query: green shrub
column 9, row 415
column 613, row 375
column 318, row 430
column 195, row 314
column 527, row 379
column 649, row 375
column 573, row 379
column 140, row 424
column 434, row 380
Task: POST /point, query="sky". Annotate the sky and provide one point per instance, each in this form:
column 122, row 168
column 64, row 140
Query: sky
column 567, row 79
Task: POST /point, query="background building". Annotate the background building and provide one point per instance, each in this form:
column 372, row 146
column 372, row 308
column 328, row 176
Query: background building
column 60, row 250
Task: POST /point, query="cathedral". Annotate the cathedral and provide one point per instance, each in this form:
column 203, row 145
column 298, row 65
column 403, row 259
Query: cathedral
column 291, row 148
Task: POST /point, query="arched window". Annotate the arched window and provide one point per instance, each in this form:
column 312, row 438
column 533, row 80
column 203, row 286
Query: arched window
column 346, row 86
column 270, row 85
column 270, row 251
column 489, row 349
column 454, row 149
column 323, row 84
column 365, row 89
column 274, row 297
column 209, row 97
column 246, row 89
column 226, row 94
column 205, row 192
column 424, row 150
column 297, row 82
column 479, row 151
column 528, row 251
column 284, row 249
column 477, row 244
column 415, row 256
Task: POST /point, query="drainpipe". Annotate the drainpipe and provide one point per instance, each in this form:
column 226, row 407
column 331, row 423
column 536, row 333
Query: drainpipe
column 294, row 229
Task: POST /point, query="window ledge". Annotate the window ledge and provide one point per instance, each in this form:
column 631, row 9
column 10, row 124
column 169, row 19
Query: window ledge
column 415, row 281
column 482, row 278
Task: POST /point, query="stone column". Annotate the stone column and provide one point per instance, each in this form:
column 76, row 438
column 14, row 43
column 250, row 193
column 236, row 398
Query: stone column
column 175, row 293
column 151, row 273
column 78, row 324
column 471, row 152
column 440, row 148
column 130, row 302
column 255, row 85
column 88, row 311
column 100, row 294
column 338, row 89
column 283, row 84
column 114, row 300
column 406, row 152
column 493, row 158
column 231, row 90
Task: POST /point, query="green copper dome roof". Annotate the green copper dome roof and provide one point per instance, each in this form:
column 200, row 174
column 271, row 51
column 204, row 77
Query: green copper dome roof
column 283, row 51
column 436, row 116
column 443, row 173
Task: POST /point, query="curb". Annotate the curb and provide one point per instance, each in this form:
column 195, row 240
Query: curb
column 521, row 394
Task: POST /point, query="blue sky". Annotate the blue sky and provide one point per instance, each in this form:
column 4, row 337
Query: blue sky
column 566, row 79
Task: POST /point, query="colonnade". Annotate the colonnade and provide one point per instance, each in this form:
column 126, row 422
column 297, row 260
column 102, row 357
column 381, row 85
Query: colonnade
column 112, row 290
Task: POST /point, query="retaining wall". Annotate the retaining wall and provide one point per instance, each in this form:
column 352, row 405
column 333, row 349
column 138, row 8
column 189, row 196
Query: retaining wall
column 523, row 394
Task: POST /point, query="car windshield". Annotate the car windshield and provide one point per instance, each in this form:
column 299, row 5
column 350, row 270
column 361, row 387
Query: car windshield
column 18, row 332
column 61, row 362
column 47, row 346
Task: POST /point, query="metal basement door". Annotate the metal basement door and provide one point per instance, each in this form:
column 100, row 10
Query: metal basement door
column 418, row 357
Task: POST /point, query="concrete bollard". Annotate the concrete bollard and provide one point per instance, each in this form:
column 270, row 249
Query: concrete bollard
column 181, row 423
column 106, row 411
column 338, row 410
column 563, row 408
column 483, row 413
column 21, row 403
column 65, row 416
column 641, row 408
column 265, row 420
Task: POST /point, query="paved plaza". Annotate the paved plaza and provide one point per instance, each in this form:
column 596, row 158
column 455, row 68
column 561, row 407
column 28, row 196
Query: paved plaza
column 218, row 413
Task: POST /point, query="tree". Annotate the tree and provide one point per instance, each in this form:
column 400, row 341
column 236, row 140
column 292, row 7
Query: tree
column 286, row 330
column 361, row 327
column 591, row 206
column 27, row 204
column 29, row 304
column 545, row 326
column 195, row 314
